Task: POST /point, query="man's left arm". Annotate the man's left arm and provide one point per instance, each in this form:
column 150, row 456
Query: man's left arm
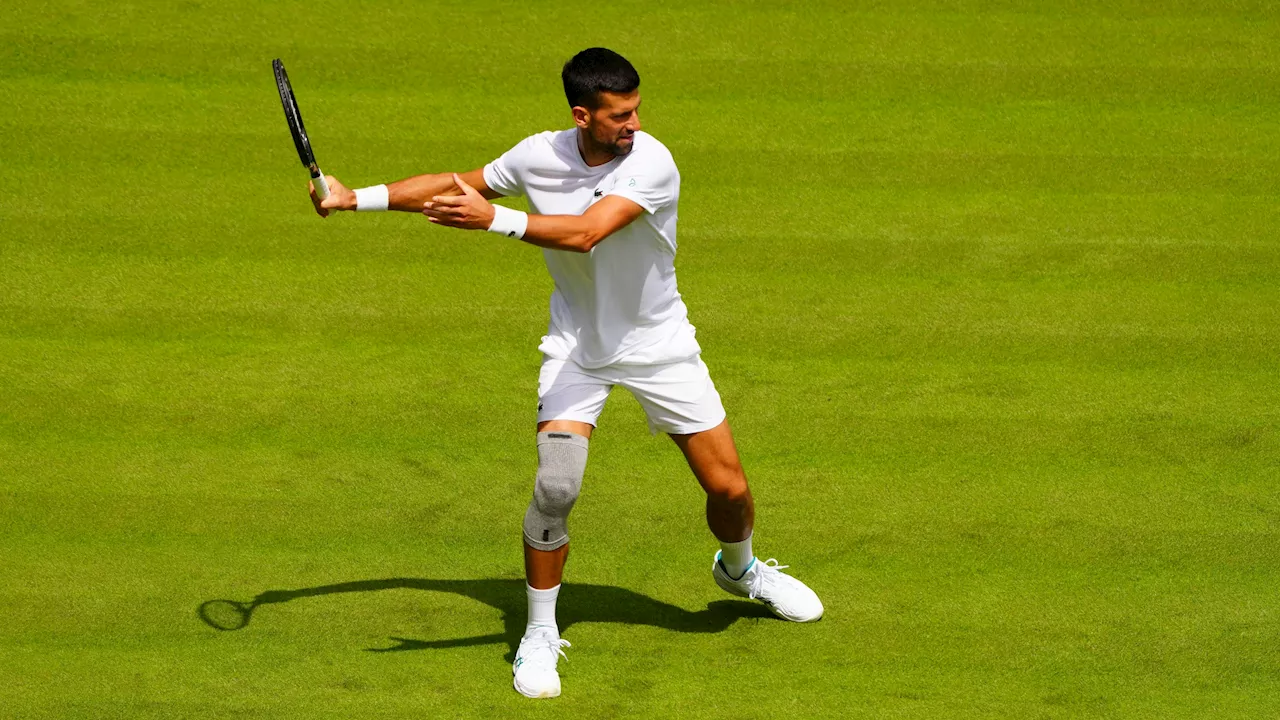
column 574, row 233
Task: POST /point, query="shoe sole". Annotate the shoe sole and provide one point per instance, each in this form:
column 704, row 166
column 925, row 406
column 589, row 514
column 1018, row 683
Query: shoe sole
column 554, row 692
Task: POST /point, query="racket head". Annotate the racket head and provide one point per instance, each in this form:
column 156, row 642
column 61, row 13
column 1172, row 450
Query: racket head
column 293, row 116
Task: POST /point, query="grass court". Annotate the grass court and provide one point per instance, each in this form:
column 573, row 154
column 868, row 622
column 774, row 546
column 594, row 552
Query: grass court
column 991, row 292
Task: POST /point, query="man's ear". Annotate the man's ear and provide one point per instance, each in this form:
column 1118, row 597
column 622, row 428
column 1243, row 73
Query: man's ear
column 581, row 116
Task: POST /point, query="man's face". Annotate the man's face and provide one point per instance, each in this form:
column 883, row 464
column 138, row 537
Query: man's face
column 614, row 123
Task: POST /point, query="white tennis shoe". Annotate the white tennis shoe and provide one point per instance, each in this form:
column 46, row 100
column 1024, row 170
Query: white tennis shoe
column 786, row 596
column 535, row 665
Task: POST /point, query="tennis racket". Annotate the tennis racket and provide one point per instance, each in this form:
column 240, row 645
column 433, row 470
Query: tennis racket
column 294, row 116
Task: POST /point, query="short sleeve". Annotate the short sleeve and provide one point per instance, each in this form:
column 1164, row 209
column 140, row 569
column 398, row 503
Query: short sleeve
column 505, row 175
column 653, row 186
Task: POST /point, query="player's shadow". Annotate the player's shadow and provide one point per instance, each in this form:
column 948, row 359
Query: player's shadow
column 578, row 603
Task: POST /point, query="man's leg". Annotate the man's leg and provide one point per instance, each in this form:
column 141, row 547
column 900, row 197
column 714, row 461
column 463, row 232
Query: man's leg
column 731, row 516
column 543, row 569
column 712, row 456
column 562, row 459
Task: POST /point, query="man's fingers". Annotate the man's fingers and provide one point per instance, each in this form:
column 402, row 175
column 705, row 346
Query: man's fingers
column 447, row 200
column 461, row 211
column 443, row 212
column 439, row 218
column 466, row 189
column 315, row 201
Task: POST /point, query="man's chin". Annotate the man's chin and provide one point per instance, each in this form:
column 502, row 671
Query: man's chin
column 622, row 148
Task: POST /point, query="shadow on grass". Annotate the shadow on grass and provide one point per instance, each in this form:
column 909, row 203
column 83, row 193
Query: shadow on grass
column 578, row 603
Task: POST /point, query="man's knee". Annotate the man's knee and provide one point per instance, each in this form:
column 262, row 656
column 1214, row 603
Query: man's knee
column 729, row 484
column 562, row 460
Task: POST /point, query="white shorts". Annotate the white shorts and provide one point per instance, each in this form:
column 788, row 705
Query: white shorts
column 678, row 398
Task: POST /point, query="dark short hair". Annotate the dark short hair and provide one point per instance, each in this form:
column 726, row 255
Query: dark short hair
column 597, row 70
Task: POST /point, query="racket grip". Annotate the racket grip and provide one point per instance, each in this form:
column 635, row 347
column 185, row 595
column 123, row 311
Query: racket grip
column 322, row 185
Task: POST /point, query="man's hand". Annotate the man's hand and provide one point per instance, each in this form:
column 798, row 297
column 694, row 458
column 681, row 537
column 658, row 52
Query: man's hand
column 469, row 211
column 340, row 198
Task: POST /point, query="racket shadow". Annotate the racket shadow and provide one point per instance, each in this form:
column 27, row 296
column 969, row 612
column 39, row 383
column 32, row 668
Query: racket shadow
column 579, row 603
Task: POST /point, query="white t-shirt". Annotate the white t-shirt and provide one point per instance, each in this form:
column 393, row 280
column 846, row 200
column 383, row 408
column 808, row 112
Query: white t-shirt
column 618, row 304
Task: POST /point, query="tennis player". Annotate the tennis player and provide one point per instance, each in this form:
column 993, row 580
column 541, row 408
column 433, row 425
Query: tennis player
column 604, row 197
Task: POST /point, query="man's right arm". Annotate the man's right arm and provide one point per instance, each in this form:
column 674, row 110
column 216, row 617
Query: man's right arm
column 406, row 195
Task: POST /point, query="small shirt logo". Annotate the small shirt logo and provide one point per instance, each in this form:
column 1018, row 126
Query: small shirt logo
column 632, row 183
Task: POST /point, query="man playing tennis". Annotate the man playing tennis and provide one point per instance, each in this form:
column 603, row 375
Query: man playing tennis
column 604, row 197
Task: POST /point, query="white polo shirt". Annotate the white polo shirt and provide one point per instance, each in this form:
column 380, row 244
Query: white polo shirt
column 618, row 304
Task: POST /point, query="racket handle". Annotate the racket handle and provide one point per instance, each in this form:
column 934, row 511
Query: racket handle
column 322, row 185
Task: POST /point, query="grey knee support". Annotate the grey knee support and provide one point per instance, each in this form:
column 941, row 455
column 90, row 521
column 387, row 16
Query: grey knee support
column 562, row 459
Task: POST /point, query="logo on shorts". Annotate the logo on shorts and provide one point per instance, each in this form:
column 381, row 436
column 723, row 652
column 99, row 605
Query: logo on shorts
column 539, row 407
column 599, row 193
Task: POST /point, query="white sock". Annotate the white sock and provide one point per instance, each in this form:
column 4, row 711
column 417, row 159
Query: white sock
column 736, row 557
column 542, row 607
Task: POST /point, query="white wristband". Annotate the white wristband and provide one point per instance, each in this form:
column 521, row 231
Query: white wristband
column 372, row 199
column 506, row 221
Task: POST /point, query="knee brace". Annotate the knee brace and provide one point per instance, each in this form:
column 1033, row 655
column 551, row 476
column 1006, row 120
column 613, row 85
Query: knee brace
column 562, row 459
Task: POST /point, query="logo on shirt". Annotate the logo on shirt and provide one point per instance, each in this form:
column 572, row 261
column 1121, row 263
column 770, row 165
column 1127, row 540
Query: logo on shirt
column 632, row 183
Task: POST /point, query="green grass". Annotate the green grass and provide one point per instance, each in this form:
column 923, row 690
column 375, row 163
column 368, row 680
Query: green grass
column 989, row 289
